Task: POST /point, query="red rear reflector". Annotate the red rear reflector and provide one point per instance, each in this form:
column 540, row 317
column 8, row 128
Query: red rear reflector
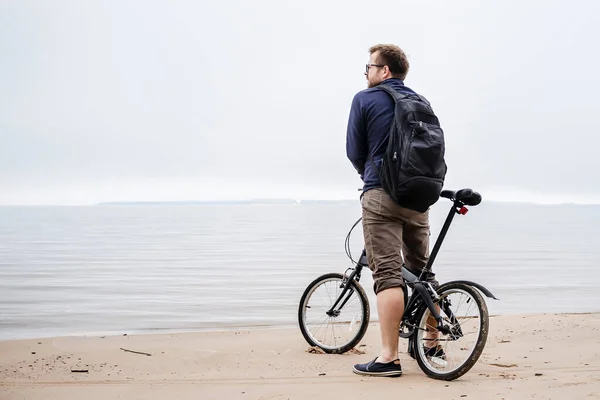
column 463, row 210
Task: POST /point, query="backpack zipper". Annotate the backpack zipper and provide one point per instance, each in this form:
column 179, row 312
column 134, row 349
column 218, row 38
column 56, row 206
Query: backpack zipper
column 408, row 144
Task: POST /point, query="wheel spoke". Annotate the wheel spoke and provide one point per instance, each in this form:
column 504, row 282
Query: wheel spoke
column 320, row 328
column 466, row 305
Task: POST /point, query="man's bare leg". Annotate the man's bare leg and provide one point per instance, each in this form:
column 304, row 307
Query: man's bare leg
column 390, row 306
column 432, row 336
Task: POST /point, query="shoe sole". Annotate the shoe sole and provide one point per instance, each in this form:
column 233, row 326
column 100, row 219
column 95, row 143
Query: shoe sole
column 387, row 374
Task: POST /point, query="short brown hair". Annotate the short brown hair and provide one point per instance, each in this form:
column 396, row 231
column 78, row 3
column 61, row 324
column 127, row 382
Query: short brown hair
column 392, row 56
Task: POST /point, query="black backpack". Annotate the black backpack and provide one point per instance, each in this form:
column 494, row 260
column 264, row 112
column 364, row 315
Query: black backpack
column 413, row 166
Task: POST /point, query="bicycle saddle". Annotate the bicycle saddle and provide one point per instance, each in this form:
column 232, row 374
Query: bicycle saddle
column 466, row 196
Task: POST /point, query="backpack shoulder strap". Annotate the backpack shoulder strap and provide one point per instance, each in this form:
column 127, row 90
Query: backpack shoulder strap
column 424, row 100
column 396, row 95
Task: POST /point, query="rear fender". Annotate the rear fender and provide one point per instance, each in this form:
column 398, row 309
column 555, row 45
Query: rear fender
column 482, row 288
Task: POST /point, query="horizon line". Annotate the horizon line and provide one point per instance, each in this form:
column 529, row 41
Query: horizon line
column 271, row 201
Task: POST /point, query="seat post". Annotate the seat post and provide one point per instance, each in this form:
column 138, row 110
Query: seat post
column 440, row 239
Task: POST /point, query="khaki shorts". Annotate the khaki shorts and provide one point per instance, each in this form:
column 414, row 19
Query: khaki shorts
column 388, row 229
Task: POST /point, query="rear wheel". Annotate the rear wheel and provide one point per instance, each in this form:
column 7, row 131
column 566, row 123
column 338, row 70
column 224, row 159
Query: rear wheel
column 449, row 356
column 342, row 329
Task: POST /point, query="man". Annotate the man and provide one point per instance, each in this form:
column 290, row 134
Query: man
column 388, row 227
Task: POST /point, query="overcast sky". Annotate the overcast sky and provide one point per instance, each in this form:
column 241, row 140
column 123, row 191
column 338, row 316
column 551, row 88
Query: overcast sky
column 185, row 100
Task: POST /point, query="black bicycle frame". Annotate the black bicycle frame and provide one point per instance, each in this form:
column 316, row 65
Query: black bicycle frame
column 438, row 243
column 355, row 274
column 419, row 286
column 426, row 295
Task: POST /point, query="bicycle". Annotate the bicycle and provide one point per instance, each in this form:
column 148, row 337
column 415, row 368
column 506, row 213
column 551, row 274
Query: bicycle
column 428, row 315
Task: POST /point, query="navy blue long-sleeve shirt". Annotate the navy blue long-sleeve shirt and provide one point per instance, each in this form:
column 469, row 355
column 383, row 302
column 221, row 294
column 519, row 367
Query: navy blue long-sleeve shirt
column 371, row 117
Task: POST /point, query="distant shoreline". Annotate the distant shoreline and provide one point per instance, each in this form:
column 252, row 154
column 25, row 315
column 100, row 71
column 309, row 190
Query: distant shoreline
column 303, row 202
column 228, row 202
column 282, row 202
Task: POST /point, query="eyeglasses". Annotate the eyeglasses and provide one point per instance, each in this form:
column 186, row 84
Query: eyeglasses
column 373, row 65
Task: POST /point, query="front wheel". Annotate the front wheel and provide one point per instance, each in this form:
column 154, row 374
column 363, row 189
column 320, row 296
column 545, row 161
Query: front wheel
column 339, row 329
column 448, row 356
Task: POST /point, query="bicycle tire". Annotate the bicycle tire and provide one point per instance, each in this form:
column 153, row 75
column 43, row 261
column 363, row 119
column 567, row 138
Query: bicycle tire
column 480, row 343
column 364, row 320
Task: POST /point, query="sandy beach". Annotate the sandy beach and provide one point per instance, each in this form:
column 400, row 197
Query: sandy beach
column 527, row 356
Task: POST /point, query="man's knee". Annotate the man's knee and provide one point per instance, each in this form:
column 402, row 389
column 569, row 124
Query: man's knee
column 381, row 284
